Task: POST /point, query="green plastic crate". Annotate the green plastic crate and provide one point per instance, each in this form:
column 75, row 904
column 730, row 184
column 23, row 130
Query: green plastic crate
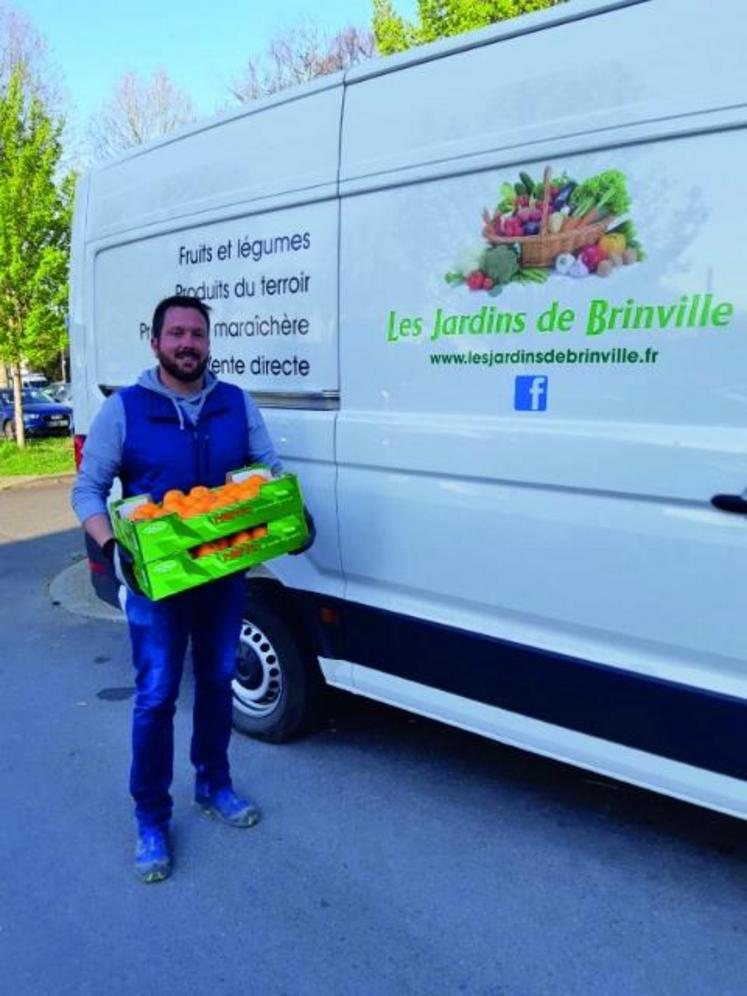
column 153, row 540
column 170, row 575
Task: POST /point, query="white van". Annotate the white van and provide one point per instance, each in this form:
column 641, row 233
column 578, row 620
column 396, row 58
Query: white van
column 34, row 380
column 491, row 298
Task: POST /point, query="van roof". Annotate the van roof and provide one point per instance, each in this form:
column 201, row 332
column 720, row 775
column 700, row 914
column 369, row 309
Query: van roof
column 522, row 25
column 525, row 24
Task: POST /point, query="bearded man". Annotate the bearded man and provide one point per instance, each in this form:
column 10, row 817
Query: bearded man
column 178, row 427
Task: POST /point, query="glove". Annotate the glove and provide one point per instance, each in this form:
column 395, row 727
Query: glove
column 309, row 541
column 122, row 562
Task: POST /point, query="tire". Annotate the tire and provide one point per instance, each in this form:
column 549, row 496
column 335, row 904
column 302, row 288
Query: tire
column 278, row 689
column 9, row 430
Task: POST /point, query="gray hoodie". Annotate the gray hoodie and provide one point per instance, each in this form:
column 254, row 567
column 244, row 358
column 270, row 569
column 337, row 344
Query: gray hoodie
column 102, row 453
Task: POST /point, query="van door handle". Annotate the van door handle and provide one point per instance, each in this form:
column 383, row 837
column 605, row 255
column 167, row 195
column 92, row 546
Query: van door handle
column 730, row 503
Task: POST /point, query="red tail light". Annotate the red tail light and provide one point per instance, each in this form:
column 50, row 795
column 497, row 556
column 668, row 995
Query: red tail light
column 78, row 443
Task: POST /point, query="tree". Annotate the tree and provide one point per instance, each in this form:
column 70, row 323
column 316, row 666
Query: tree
column 35, row 214
column 22, row 47
column 138, row 111
column 442, row 18
column 300, row 54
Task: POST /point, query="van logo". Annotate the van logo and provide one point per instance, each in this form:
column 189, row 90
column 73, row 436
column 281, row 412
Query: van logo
column 530, row 394
column 551, row 225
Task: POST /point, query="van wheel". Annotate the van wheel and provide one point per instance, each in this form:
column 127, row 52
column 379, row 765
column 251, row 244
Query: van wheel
column 9, row 430
column 277, row 686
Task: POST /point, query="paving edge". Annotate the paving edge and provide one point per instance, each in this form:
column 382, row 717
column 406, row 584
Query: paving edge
column 72, row 589
column 25, row 480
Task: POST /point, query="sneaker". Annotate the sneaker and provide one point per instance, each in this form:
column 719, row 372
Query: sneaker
column 225, row 805
column 152, row 855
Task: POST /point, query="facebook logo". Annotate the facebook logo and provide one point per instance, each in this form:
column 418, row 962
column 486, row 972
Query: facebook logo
column 530, row 394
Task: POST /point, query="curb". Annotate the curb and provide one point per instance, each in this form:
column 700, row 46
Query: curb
column 72, row 589
column 28, row 480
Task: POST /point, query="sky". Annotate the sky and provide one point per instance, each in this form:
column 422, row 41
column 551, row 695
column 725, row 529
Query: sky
column 202, row 46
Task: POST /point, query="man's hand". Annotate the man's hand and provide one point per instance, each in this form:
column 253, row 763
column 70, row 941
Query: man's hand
column 308, row 542
column 121, row 560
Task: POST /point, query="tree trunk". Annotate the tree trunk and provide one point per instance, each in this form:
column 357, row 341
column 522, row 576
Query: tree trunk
column 18, row 406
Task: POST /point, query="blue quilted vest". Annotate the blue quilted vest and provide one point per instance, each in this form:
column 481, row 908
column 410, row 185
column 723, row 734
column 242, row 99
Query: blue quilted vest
column 160, row 454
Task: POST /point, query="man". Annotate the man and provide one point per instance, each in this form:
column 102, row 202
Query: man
column 177, row 427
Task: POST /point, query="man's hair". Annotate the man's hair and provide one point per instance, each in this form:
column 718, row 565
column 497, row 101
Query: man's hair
column 177, row 301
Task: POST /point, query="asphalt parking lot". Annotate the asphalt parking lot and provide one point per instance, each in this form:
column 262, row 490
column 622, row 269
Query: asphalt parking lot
column 396, row 855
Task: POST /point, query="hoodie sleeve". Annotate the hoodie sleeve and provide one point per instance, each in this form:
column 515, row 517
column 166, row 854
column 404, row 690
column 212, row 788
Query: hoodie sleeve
column 102, row 457
column 261, row 449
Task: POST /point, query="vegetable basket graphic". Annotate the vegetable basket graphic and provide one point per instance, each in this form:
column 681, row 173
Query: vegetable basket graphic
column 556, row 225
column 543, row 248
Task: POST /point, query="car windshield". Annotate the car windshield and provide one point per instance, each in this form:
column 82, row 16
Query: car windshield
column 29, row 396
column 34, row 397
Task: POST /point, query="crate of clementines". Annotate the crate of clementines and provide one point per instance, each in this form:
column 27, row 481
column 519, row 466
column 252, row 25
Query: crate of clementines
column 207, row 533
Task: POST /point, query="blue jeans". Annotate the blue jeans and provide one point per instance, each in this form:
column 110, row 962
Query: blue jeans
column 211, row 617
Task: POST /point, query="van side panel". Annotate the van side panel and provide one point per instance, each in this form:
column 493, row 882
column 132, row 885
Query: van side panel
column 274, row 152
column 549, row 83
column 533, row 464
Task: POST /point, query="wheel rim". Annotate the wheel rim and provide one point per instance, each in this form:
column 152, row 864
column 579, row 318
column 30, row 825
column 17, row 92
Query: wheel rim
column 258, row 681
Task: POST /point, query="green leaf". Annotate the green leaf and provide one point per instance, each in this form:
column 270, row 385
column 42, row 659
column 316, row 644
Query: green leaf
column 35, row 216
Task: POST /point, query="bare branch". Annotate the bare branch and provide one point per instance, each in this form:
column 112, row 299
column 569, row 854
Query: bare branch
column 299, row 54
column 22, row 47
column 138, row 111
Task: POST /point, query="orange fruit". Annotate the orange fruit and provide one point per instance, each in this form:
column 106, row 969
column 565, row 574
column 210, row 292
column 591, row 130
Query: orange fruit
column 195, row 506
column 259, row 532
column 144, row 512
column 243, row 537
column 217, row 497
column 199, row 491
column 174, row 495
column 206, row 549
column 250, row 487
column 231, row 492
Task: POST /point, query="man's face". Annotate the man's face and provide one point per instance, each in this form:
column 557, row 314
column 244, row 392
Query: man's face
column 183, row 348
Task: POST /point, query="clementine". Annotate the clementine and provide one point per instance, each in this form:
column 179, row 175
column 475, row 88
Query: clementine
column 144, row 512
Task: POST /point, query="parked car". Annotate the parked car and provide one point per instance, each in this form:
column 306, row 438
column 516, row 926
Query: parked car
column 42, row 416
column 34, row 380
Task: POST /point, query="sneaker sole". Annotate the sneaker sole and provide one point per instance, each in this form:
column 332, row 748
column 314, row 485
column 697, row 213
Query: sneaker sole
column 251, row 819
column 154, row 875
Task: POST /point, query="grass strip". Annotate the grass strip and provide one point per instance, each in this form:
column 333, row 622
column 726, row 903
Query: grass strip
column 41, row 456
